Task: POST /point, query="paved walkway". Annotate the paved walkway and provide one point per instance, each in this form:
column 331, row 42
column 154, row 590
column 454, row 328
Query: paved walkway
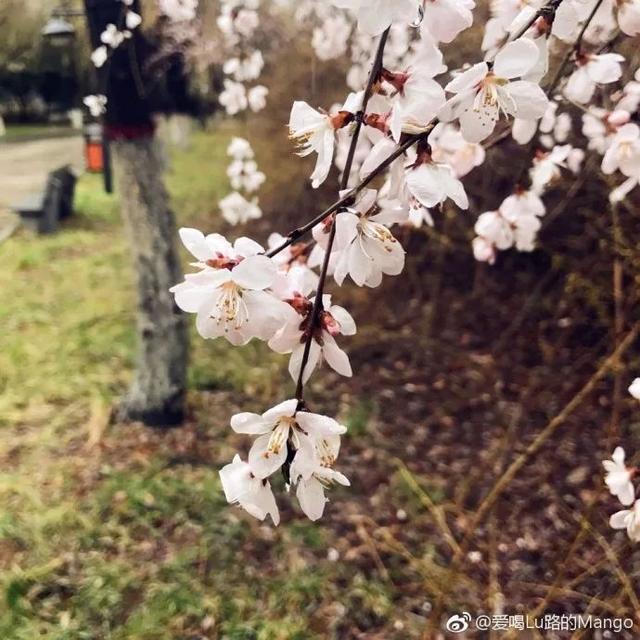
column 24, row 165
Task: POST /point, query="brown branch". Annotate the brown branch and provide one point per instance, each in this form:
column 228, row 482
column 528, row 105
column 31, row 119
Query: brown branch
column 345, row 200
column 409, row 141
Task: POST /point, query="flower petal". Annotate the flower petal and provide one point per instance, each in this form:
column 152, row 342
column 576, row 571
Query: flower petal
column 317, row 425
column 264, row 462
column 255, row 272
column 281, row 410
column 336, row 358
column 310, row 494
column 344, row 319
column 250, row 423
column 619, row 520
column 476, row 125
column 194, row 242
column 468, row 79
column 530, row 100
column 516, row 58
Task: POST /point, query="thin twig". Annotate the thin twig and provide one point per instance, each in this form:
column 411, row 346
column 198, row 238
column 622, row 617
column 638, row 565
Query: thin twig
column 346, row 199
column 551, row 428
column 317, row 303
column 623, row 577
column 515, row 467
column 427, row 502
column 618, row 322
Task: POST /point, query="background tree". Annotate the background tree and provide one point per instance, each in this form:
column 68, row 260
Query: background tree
column 157, row 393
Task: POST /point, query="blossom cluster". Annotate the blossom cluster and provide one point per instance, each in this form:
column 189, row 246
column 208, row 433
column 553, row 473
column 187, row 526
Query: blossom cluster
column 238, row 22
column 239, row 293
column 419, row 128
column 312, row 441
column 96, row 104
column 506, row 83
column 246, row 179
column 114, row 35
column 589, row 74
column 619, row 480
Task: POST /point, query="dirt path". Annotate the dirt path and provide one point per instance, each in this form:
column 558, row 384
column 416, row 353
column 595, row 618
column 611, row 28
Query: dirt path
column 24, row 165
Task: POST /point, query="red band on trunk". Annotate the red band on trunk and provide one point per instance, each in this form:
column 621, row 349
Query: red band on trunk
column 129, row 132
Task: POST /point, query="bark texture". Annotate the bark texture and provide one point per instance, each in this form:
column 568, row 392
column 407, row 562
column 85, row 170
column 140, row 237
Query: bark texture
column 157, row 393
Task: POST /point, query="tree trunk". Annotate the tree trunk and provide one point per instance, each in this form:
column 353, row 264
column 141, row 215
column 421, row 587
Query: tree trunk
column 157, row 393
column 156, row 396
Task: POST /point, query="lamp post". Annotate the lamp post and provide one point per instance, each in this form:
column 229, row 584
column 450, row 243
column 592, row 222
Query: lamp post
column 60, row 32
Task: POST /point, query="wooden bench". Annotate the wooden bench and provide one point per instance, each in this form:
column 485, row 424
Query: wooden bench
column 42, row 212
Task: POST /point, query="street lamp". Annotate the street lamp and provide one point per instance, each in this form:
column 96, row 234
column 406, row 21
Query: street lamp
column 58, row 31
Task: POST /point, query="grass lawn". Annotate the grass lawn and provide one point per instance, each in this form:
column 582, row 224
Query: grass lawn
column 100, row 539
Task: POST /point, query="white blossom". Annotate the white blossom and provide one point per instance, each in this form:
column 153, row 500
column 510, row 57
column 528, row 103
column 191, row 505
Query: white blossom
column 482, row 94
column 514, row 224
column 445, row 19
column 312, row 478
column 112, row 36
column 592, row 70
column 99, row 56
column 257, row 97
column 618, row 477
column 275, row 427
column 624, row 152
column 229, row 294
column 132, row 20
column 246, row 22
column 365, row 247
column 240, row 149
column 246, row 69
column 234, row 97
column 629, row 16
column 600, row 127
column 546, row 167
column 628, row 519
column 179, row 10
column 95, row 104
column 292, row 336
column 431, row 183
column 254, row 495
column 330, row 39
column 315, row 133
column 236, row 209
column 449, row 147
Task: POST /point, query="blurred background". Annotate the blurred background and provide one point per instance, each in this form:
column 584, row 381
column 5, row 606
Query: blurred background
column 112, row 529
